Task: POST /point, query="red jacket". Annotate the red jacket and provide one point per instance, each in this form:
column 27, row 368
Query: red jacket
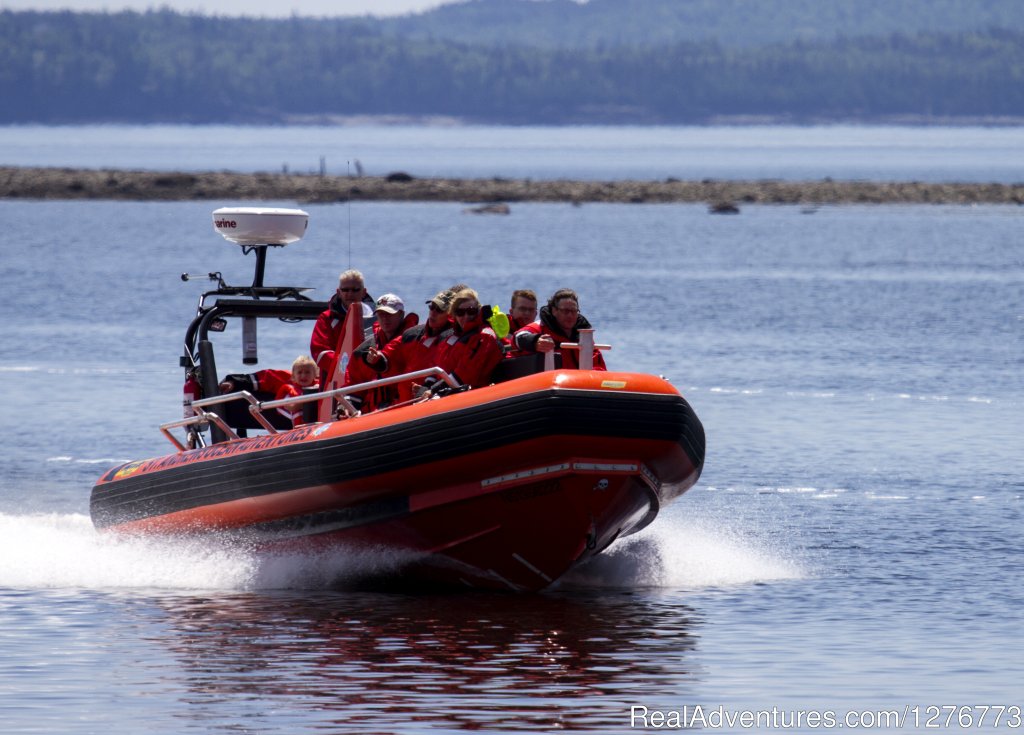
column 508, row 342
column 472, row 356
column 327, row 329
column 418, row 348
column 526, row 339
column 280, row 383
column 360, row 371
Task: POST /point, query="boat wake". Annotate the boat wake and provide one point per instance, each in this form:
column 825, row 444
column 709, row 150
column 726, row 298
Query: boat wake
column 61, row 551
column 687, row 555
column 65, row 551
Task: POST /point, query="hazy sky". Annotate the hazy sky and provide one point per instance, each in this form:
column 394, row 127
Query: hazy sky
column 238, row 7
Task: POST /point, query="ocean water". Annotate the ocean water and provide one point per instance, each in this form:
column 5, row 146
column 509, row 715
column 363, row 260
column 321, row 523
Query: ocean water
column 854, row 546
column 842, row 152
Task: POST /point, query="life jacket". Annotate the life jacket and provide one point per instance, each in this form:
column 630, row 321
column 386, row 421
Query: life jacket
column 324, row 339
column 360, row 371
column 418, row 348
column 526, row 339
column 472, row 355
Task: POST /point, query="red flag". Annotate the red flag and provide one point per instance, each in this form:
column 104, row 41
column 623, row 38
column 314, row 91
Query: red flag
column 349, row 338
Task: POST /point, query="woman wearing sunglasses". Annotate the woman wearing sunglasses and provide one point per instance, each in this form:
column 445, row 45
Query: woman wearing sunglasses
column 473, row 350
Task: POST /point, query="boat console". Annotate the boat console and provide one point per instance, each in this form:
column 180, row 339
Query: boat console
column 255, row 230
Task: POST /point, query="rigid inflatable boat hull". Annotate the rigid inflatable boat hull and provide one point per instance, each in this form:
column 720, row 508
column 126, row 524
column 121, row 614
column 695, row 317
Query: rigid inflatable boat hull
column 503, row 487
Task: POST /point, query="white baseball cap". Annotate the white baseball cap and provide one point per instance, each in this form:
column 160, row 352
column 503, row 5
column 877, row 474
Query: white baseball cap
column 389, row 303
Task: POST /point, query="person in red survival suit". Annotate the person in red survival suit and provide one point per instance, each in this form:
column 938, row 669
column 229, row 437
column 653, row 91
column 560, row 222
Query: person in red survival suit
column 351, row 290
column 473, row 350
column 281, row 384
column 367, row 361
column 522, row 311
column 560, row 321
column 419, row 347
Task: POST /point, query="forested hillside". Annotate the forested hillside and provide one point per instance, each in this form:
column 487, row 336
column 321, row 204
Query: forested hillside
column 163, row 66
column 739, row 23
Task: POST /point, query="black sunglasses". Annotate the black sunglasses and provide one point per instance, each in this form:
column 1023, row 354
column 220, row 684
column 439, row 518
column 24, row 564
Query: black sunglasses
column 468, row 311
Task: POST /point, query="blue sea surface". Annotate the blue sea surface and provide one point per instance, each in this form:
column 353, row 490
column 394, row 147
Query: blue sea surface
column 854, row 545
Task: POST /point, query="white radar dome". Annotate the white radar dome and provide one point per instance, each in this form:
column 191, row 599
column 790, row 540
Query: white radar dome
column 260, row 225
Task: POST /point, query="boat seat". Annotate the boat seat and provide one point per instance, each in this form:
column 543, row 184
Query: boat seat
column 237, row 416
column 236, row 413
column 518, row 367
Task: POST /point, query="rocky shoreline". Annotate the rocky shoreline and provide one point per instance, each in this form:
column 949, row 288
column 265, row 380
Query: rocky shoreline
column 62, row 183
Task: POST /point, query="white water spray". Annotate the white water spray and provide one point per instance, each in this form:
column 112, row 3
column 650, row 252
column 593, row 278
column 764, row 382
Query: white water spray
column 65, row 551
column 685, row 554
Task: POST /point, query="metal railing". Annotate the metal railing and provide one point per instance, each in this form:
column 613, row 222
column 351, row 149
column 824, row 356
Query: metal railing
column 585, row 346
column 586, row 349
column 202, row 416
column 340, row 393
column 256, row 407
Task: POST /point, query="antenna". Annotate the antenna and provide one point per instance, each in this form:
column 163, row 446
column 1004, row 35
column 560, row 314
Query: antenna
column 348, row 165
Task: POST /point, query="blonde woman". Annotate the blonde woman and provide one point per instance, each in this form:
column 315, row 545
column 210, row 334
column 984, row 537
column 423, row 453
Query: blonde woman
column 474, row 349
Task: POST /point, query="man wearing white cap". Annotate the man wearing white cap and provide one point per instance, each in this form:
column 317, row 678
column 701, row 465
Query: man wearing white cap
column 419, row 347
column 390, row 311
column 392, row 321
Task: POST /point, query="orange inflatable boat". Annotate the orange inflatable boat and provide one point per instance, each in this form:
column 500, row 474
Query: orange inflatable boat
column 502, row 487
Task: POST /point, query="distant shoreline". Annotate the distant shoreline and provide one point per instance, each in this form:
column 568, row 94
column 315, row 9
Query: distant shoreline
column 122, row 185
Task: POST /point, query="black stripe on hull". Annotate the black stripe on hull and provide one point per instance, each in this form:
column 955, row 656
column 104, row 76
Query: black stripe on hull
column 400, row 446
column 330, row 521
